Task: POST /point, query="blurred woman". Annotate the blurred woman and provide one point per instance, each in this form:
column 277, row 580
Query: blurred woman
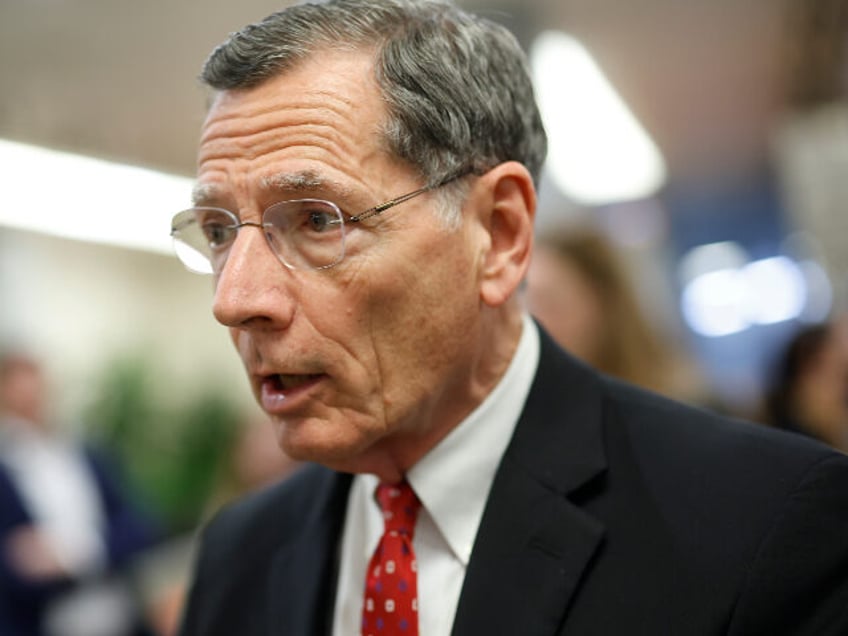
column 809, row 393
column 578, row 289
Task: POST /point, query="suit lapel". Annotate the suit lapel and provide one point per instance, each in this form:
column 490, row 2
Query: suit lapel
column 303, row 576
column 534, row 543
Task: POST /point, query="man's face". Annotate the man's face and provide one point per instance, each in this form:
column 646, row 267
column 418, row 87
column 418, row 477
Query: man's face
column 367, row 362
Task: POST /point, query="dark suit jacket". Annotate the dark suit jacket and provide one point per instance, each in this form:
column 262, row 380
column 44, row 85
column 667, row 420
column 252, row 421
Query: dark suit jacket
column 613, row 512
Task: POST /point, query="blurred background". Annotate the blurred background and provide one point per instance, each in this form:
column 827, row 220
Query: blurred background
column 706, row 142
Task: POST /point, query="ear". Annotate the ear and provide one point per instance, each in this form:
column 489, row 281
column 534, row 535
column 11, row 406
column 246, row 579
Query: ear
column 507, row 214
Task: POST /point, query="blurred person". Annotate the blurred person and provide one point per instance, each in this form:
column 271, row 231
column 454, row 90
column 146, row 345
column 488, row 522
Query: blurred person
column 809, row 392
column 255, row 462
column 365, row 202
column 66, row 524
column 579, row 290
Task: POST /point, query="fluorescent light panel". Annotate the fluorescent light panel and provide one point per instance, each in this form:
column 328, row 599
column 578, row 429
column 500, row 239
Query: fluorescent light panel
column 598, row 152
column 88, row 199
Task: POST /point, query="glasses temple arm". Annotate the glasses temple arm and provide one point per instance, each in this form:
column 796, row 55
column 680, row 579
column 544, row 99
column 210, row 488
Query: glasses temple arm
column 406, row 197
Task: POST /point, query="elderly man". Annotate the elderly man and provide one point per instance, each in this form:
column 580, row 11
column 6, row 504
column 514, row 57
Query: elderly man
column 365, row 202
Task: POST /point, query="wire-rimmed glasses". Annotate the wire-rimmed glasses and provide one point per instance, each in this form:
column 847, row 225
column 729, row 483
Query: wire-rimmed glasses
column 303, row 233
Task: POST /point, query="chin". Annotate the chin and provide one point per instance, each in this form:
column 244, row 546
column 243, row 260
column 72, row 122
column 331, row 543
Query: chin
column 335, row 442
column 331, row 451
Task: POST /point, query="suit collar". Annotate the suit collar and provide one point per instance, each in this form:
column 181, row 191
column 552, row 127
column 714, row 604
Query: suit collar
column 304, row 571
column 534, row 543
column 559, row 439
column 454, row 478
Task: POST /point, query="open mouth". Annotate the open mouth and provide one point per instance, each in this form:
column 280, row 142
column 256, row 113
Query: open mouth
column 278, row 389
column 287, row 382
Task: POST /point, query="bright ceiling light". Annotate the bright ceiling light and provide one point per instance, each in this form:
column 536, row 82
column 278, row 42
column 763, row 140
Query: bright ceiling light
column 819, row 292
column 712, row 257
column 776, row 290
column 89, row 199
column 724, row 292
column 599, row 153
column 711, row 303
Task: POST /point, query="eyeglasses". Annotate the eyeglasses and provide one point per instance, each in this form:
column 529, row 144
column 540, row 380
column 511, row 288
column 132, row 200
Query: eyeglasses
column 303, row 233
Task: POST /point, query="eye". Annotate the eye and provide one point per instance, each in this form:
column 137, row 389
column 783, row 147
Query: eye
column 319, row 220
column 305, row 219
column 217, row 233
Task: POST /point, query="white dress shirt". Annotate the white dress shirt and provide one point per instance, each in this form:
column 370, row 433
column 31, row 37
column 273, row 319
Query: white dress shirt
column 453, row 482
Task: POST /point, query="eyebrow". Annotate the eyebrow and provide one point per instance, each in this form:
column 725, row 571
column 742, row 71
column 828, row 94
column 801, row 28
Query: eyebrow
column 282, row 182
column 305, row 180
column 204, row 193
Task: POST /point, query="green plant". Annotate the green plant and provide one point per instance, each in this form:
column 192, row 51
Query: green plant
column 173, row 454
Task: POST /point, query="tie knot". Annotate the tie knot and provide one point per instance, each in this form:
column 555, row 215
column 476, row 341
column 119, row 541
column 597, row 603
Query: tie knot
column 400, row 507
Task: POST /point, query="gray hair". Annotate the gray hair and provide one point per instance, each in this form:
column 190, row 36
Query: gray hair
column 457, row 88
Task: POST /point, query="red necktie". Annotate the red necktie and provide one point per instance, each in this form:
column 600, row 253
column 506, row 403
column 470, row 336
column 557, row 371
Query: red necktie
column 391, row 588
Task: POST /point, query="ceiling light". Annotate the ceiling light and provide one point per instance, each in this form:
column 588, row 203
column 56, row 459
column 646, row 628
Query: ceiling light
column 88, row 199
column 598, row 151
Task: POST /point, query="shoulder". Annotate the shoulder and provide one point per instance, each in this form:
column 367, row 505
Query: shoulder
column 716, row 484
column 668, row 443
column 259, row 521
column 688, row 438
column 724, row 487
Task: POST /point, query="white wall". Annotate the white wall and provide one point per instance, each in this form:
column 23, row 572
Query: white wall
column 81, row 305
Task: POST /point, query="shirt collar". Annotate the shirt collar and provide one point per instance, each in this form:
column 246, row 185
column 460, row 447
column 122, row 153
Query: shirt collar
column 453, row 479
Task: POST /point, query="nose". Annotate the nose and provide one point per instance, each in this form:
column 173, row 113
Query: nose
column 254, row 289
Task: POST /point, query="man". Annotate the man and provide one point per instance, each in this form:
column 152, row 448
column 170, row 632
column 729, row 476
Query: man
column 365, row 201
column 67, row 527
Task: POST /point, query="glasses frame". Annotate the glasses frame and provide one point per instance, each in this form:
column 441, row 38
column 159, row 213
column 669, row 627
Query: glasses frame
column 356, row 218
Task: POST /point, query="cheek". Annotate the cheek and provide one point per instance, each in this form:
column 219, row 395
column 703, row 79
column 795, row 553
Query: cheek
column 240, row 340
column 426, row 312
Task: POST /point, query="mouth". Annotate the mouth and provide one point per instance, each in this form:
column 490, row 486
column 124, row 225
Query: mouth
column 280, row 389
column 288, row 382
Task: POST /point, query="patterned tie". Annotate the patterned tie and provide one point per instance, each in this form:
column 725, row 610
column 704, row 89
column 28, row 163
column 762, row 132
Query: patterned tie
column 391, row 589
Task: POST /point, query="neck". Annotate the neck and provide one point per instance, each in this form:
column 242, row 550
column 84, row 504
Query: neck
column 497, row 341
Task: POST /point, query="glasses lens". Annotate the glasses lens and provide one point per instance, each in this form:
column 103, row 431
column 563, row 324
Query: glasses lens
column 202, row 238
column 306, row 234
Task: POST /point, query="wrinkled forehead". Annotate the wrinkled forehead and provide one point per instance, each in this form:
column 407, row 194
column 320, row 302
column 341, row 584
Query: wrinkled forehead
column 320, row 120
